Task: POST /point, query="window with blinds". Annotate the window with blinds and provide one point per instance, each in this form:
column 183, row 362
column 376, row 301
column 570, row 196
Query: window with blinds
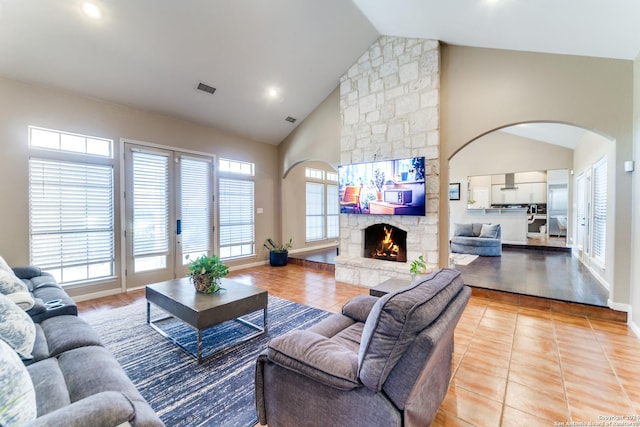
column 322, row 207
column 195, row 207
column 315, row 211
column 236, row 217
column 150, row 201
column 71, row 207
column 599, row 210
column 333, row 211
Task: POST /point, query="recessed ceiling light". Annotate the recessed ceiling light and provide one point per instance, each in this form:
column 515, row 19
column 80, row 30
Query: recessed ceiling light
column 91, row 10
column 272, row 92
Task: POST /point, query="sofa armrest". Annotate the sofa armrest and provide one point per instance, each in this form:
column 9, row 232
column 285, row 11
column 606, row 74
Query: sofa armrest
column 27, row 272
column 108, row 409
column 358, row 308
column 38, row 307
column 317, row 358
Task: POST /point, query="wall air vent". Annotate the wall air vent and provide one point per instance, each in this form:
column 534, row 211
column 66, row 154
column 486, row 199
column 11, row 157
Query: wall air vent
column 290, row 119
column 509, row 182
column 206, row 88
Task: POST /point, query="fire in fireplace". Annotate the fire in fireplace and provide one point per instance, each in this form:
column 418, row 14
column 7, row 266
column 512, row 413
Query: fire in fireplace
column 385, row 242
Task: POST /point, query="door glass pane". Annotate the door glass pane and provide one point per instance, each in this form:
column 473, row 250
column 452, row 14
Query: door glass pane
column 150, row 209
column 195, row 208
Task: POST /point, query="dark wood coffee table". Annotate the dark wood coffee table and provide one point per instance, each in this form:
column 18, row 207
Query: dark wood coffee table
column 202, row 311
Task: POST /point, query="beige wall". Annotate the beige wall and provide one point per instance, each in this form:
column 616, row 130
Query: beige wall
column 317, row 138
column 486, row 89
column 22, row 105
column 293, row 211
column 635, row 232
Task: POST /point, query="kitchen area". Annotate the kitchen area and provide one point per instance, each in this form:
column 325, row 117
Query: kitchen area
column 532, row 207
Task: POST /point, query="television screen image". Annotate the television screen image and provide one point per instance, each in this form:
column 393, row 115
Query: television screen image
column 385, row 187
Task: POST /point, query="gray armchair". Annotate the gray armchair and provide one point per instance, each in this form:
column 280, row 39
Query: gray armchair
column 383, row 361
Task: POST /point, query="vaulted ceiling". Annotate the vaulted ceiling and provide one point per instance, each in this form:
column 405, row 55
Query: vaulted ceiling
column 270, row 60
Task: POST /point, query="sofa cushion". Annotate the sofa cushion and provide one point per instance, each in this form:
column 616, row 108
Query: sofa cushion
column 58, row 334
column 50, row 386
column 16, row 328
column 317, row 357
column 465, row 230
column 396, row 320
column 9, row 283
column 489, row 231
column 18, row 398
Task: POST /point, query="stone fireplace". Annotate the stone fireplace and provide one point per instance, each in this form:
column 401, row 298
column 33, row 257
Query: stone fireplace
column 389, row 103
column 385, row 242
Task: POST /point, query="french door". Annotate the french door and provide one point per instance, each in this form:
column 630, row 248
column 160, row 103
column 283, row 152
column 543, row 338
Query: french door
column 169, row 212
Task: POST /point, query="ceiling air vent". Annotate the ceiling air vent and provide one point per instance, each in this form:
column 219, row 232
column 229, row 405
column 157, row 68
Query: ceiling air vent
column 206, row 88
column 290, row 119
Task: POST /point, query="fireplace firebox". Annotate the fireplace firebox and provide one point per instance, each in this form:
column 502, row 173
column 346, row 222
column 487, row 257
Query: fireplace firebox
column 385, row 242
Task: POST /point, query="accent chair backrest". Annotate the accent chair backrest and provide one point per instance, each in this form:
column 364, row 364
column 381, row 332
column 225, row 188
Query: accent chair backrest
column 396, row 320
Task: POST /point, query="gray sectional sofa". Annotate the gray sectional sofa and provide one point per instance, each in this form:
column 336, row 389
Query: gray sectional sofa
column 477, row 239
column 64, row 377
column 49, row 298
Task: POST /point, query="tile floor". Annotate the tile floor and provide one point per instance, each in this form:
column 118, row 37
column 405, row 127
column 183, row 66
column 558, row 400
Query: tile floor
column 513, row 366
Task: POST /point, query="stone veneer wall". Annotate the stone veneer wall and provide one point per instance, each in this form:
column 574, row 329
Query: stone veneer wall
column 389, row 102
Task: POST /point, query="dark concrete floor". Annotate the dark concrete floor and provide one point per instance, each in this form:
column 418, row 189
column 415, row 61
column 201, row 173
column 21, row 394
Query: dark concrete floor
column 538, row 272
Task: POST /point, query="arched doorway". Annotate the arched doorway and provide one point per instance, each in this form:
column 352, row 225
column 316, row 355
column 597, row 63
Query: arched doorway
column 536, row 180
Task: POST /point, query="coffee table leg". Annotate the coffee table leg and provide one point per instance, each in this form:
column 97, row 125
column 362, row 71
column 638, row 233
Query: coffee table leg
column 199, row 346
column 148, row 312
column 266, row 321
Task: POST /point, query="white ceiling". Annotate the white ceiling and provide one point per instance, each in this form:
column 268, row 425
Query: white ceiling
column 151, row 54
column 551, row 133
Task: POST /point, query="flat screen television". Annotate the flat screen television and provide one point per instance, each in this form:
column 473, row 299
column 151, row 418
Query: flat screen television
column 384, row 187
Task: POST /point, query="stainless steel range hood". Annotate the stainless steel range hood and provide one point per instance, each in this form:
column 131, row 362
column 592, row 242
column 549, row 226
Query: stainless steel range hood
column 509, row 182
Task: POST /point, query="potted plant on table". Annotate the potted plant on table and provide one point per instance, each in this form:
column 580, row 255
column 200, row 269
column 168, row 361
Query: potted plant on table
column 206, row 273
column 278, row 253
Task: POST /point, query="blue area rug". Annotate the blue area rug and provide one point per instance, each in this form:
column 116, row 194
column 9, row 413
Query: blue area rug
column 220, row 391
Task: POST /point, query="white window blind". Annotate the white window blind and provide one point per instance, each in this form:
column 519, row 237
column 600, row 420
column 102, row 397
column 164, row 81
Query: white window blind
column 314, row 211
column 195, row 207
column 236, row 217
column 71, row 219
column 599, row 210
column 333, row 211
column 150, row 204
